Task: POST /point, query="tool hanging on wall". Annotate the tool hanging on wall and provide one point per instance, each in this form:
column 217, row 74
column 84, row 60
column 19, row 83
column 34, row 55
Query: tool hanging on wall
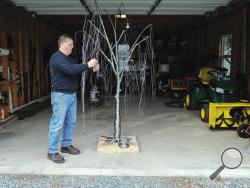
column 25, row 86
column 1, row 73
column 2, row 116
column 32, row 55
column 10, row 101
column 3, row 52
column 3, row 98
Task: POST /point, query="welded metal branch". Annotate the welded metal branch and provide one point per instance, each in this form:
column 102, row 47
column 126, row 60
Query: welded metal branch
column 153, row 7
column 84, row 4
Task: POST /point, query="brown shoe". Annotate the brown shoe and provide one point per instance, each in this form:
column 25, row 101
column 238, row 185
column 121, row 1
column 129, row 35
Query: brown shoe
column 56, row 157
column 71, row 150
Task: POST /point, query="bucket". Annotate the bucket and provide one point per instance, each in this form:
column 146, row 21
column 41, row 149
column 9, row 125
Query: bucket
column 164, row 68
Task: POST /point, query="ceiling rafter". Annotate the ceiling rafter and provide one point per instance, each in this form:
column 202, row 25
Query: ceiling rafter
column 132, row 7
column 7, row 2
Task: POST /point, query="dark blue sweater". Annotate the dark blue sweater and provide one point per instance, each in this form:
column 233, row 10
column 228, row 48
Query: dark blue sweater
column 65, row 73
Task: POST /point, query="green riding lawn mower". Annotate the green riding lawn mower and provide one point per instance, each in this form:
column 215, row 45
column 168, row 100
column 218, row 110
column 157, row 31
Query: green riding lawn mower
column 215, row 87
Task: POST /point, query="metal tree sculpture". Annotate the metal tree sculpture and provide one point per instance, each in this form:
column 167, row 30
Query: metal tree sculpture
column 98, row 43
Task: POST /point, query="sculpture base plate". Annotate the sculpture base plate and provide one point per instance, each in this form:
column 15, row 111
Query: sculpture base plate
column 107, row 146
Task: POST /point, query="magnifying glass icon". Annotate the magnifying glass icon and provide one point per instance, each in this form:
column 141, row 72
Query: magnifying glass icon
column 231, row 158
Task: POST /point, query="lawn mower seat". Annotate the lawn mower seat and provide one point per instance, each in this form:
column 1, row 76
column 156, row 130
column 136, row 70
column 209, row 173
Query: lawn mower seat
column 204, row 75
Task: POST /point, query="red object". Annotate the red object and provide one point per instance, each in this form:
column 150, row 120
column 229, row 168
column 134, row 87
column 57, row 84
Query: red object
column 2, row 113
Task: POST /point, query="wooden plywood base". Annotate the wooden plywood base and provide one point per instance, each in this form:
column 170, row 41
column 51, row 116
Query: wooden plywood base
column 105, row 146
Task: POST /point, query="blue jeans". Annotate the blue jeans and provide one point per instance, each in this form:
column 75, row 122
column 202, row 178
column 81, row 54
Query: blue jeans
column 64, row 108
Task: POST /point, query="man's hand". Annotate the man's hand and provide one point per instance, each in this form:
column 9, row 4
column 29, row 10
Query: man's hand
column 92, row 63
column 96, row 68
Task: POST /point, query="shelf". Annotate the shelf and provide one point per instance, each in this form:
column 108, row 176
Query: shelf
column 8, row 81
column 4, row 82
column 2, row 121
column 13, row 80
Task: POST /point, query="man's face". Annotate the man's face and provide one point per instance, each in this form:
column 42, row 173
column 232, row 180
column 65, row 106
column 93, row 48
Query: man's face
column 67, row 47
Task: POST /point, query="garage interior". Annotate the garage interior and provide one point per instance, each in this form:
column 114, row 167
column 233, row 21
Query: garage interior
column 173, row 141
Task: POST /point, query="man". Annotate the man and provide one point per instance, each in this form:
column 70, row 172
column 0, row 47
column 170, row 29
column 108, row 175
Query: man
column 65, row 74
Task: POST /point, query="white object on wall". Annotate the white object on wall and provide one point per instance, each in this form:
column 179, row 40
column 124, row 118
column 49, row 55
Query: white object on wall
column 4, row 52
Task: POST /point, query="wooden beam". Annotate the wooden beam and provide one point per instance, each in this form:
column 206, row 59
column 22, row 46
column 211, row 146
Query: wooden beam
column 238, row 3
column 8, row 3
column 244, row 40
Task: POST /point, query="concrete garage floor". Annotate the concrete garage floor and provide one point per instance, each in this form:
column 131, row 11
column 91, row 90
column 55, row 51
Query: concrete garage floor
column 172, row 142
